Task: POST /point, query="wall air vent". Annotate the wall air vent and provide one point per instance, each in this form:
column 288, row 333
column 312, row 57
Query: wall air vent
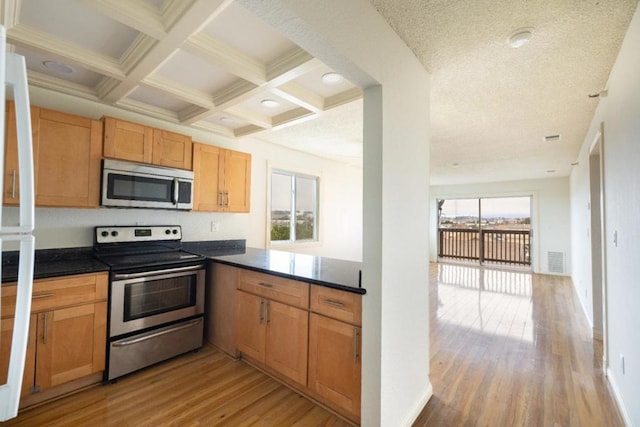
column 555, row 262
column 552, row 138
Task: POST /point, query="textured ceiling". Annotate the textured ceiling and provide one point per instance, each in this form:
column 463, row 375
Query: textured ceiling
column 209, row 63
column 492, row 104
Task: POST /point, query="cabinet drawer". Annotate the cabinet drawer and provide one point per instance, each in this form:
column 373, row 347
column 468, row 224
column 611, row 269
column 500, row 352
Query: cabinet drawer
column 341, row 305
column 288, row 291
column 58, row 292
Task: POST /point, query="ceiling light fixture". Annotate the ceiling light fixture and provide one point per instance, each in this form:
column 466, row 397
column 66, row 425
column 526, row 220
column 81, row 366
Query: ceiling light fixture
column 520, row 37
column 551, row 171
column 58, row 67
column 331, row 78
column 270, row 103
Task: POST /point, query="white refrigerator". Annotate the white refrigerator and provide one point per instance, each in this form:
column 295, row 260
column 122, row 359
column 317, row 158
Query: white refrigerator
column 13, row 76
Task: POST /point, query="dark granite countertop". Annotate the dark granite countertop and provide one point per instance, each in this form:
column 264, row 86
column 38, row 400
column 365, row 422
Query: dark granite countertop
column 330, row 272
column 53, row 263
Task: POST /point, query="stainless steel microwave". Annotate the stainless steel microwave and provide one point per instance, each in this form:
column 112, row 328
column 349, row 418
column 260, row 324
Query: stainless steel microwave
column 134, row 185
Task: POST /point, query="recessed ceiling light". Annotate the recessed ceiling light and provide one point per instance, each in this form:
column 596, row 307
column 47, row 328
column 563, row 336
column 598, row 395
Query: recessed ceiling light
column 551, row 171
column 520, row 37
column 331, row 78
column 58, row 67
column 270, row 103
column 455, row 164
column 228, row 120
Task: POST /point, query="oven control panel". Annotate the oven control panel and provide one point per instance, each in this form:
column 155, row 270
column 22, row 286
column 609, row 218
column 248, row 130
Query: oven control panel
column 138, row 233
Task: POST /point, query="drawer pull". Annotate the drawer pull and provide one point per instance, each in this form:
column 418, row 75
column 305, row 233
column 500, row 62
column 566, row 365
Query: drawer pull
column 266, row 285
column 268, row 319
column 260, row 311
column 334, row 303
column 41, row 296
column 44, row 335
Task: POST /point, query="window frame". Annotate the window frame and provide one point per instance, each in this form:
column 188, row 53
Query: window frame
column 293, row 174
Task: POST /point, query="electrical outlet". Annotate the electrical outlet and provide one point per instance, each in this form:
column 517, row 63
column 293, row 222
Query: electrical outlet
column 622, row 363
column 215, row 227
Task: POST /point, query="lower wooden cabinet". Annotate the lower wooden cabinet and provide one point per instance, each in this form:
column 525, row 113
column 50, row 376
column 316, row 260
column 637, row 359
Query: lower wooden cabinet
column 67, row 333
column 273, row 334
column 335, row 362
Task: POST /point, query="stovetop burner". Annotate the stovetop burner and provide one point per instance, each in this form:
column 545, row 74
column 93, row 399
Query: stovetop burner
column 128, row 247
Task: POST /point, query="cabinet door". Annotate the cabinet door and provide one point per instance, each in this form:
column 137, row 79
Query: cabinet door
column 11, row 169
column 127, row 141
column 221, row 296
column 71, row 344
column 207, row 189
column 250, row 325
column 287, row 338
column 68, row 162
column 334, row 362
column 6, row 331
column 171, row 149
column 237, row 181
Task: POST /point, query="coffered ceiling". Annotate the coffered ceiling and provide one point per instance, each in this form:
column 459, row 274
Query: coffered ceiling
column 211, row 63
column 205, row 63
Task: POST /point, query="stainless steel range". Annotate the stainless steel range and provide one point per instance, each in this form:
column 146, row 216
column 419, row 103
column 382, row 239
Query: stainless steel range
column 156, row 296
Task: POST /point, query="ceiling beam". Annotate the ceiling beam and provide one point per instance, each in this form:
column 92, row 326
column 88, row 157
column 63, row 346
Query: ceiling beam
column 220, row 130
column 229, row 58
column 148, row 110
column 22, row 35
column 251, row 116
column 342, row 98
column 300, row 95
column 60, row 85
column 197, row 16
column 179, row 91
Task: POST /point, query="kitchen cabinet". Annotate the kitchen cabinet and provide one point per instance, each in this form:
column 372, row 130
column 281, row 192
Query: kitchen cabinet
column 67, row 334
column 271, row 327
column 222, row 179
column 134, row 142
column 67, row 152
column 334, row 349
column 6, row 331
column 220, row 306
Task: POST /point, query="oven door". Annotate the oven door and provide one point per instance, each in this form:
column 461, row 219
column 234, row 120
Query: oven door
column 145, row 299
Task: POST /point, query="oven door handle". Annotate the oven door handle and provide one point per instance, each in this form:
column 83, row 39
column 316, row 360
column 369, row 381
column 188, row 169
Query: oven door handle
column 157, row 334
column 118, row 276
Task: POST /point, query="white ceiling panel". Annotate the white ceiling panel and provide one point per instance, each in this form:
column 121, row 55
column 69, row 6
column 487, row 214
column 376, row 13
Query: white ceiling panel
column 245, row 32
column 313, row 81
column 157, row 98
column 73, row 21
column 35, row 61
column 157, row 4
column 193, row 71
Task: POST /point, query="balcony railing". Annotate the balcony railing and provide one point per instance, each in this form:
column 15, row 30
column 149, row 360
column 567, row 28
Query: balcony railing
column 495, row 246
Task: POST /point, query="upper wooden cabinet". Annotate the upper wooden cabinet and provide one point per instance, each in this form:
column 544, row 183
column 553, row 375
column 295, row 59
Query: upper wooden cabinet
column 125, row 140
column 171, row 149
column 222, row 179
column 67, row 153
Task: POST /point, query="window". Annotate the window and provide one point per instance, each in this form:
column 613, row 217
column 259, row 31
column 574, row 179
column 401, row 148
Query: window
column 294, row 207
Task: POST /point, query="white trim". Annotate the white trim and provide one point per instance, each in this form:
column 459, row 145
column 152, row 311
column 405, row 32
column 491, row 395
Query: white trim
column 413, row 415
column 618, row 397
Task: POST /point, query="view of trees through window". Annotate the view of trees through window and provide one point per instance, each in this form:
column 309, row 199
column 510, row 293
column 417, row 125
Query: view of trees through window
column 293, row 207
column 512, row 213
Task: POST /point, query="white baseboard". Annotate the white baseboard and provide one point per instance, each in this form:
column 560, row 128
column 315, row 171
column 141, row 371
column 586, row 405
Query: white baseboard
column 413, row 416
column 619, row 400
column 584, row 309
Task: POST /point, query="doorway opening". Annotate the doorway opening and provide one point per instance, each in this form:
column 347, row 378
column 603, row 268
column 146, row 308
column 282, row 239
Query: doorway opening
column 491, row 230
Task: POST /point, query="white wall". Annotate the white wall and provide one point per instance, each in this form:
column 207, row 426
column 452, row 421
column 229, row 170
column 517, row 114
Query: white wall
column 340, row 188
column 351, row 37
column 550, row 214
column 620, row 113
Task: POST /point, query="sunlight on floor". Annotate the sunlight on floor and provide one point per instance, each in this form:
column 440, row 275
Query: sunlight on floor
column 503, row 305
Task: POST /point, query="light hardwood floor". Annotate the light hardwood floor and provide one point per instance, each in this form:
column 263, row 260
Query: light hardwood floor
column 507, row 349
column 512, row 349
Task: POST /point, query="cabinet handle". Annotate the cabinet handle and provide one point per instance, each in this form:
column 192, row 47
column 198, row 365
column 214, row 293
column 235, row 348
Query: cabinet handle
column 260, row 316
column 356, row 347
column 268, row 319
column 334, row 303
column 44, row 335
column 228, row 200
column 13, row 184
column 221, row 200
column 266, row 285
column 176, row 190
column 41, row 296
